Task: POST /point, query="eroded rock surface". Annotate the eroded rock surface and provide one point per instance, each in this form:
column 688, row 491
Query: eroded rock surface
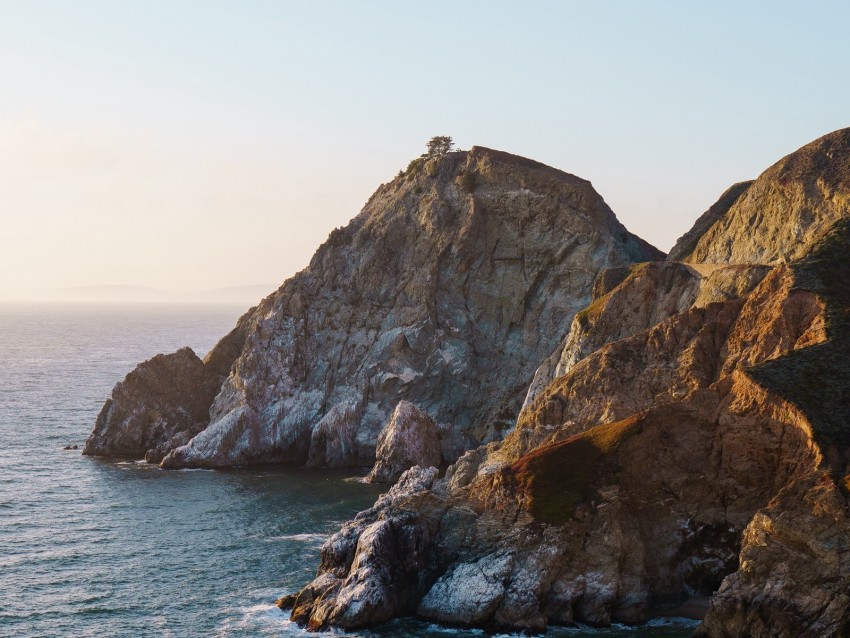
column 410, row 438
column 609, row 511
column 649, row 294
column 371, row 568
column 685, row 244
column 790, row 206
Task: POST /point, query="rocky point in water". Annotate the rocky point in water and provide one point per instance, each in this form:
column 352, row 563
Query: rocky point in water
column 446, row 292
column 689, row 438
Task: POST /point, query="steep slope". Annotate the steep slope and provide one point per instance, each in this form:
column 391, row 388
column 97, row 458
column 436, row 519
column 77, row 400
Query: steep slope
column 790, row 205
column 704, row 454
column 623, row 490
column 447, row 290
column 794, row 578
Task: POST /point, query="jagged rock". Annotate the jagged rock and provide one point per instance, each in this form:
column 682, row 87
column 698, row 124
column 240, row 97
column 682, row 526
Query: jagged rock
column 470, row 593
column 163, row 402
column 795, row 568
column 712, row 447
column 333, row 441
column 795, row 560
column 671, row 360
column 433, row 294
column 370, row 569
column 410, row 438
column 287, row 602
column 160, row 398
column 613, row 522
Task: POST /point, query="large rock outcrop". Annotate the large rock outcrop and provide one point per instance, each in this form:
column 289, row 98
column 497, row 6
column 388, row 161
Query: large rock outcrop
column 695, row 442
column 447, row 290
column 410, row 438
column 794, row 576
column 164, row 402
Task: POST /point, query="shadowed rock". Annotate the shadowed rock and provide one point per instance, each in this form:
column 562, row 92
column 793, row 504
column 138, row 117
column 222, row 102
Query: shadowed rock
column 163, row 402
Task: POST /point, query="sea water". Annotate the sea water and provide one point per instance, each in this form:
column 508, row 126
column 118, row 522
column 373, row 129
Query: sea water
column 90, row 547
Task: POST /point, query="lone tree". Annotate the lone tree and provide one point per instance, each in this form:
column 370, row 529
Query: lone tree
column 439, row 145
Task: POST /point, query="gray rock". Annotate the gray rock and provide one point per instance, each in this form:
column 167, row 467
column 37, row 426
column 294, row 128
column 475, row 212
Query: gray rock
column 163, row 397
column 410, row 438
column 704, row 454
column 470, row 593
column 370, row 569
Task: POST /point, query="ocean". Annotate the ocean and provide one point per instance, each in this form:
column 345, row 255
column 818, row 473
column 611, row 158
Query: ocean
column 101, row 548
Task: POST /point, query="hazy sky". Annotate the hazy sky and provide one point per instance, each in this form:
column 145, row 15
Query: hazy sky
column 189, row 145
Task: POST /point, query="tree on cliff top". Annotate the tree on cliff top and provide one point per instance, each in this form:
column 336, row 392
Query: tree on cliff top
column 439, row 145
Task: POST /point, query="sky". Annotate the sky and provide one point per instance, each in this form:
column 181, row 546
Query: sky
column 193, row 145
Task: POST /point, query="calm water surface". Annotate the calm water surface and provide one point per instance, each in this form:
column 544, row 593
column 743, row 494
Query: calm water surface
column 94, row 548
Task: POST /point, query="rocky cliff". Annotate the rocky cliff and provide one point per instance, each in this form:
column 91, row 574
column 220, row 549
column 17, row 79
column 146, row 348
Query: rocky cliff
column 447, row 290
column 689, row 437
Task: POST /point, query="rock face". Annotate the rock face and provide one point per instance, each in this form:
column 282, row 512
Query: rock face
column 447, row 290
column 410, row 438
column 164, row 402
column 794, row 576
column 690, row 437
column 370, row 568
